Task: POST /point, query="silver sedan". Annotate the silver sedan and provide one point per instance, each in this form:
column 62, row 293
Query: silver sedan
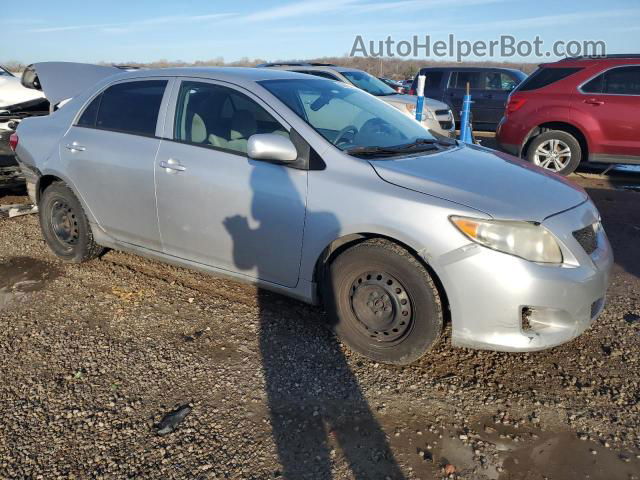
column 320, row 191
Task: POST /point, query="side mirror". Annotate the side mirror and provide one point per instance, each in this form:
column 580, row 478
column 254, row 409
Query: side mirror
column 271, row 146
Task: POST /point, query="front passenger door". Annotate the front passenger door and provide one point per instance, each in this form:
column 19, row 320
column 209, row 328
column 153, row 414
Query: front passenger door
column 216, row 206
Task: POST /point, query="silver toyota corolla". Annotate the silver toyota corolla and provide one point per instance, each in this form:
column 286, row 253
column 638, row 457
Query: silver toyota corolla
column 322, row 192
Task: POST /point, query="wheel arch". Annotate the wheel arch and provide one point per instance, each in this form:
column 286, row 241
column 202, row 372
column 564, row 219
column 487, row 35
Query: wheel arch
column 557, row 125
column 339, row 245
column 45, row 181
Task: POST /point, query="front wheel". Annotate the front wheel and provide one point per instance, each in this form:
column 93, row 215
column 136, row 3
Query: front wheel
column 555, row 150
column 383, row 302
column 65, row 226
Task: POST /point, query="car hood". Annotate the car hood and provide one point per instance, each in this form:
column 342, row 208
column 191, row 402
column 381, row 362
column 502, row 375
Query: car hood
column 412, row 100
column 13, row 93
column 497, row 184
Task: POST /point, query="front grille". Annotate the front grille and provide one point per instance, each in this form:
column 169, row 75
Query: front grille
column 446, row 125
column 443, row 112
column 587, row 239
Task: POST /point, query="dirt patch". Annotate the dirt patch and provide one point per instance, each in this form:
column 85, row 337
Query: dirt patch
column 22, row 275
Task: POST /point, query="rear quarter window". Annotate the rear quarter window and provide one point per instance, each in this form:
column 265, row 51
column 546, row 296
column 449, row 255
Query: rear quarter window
column 544, row 77
column 130, row 107
column 432, row 81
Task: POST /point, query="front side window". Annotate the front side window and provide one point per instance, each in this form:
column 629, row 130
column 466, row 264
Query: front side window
column 499, row 81
column 617, row 81
column 369, row 83
column 130, row 107
column 623, row 81
column 219, row 117
column 346, row 116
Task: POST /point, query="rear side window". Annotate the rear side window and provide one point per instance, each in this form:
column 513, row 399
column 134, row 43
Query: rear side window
column 432, row 80
column 130, row 107
column 544, row 77
column 89, row 116
column 617, row 81
column 460, row 80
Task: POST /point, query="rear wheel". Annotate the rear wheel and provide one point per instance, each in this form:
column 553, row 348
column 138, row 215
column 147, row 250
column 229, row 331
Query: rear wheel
column 383, row 302
column 555, row 150
column 65, row 226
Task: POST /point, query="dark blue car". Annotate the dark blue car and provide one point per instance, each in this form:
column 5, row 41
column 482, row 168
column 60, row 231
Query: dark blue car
column 489, row 87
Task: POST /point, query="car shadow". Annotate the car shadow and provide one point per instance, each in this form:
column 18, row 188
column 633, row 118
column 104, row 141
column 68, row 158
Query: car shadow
column 315, row 402
column 620, row 211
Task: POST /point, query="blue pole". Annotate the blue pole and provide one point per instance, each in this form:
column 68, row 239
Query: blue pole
column 420, row 101
column 466, row 130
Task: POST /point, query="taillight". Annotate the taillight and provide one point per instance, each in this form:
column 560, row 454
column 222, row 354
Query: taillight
column 13, row 141
column 412, row 91
column 514, row 104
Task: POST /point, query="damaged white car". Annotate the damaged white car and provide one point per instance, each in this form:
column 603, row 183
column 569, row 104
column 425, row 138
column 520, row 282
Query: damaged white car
column 17, row 101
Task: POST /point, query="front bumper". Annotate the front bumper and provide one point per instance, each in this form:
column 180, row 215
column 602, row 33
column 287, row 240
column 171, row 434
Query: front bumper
column 505, row 303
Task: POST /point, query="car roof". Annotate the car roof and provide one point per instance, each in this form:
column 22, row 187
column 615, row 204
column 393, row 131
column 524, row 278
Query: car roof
column 310, row 67
column 606, row 60
column 470, row 69
column 237, row 74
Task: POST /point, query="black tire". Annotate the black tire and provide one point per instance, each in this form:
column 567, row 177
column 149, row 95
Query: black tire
column 396, row 329
column 65, row 226
column 562, row 165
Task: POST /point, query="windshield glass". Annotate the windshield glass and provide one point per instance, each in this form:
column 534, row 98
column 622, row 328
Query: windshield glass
column 346, row 116
column 4, row 72
column 368, row 83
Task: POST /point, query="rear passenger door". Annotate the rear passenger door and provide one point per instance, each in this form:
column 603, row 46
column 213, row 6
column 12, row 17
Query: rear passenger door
column 216, row 206
column 612, row 100
column 110, row 157
column 456, row 90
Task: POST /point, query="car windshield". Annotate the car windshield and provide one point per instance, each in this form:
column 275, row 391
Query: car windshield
column 352, row 120
column 4, row 72
column 369, row 83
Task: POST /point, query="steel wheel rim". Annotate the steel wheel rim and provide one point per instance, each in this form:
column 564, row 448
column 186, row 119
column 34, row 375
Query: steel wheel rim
column 64, row 224
column 382, row 307
column 552, row 154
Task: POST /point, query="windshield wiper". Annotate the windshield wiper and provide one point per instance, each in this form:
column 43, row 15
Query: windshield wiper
column 419, row 145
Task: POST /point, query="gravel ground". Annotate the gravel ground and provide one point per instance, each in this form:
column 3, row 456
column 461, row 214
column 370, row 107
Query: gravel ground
column 93, row 356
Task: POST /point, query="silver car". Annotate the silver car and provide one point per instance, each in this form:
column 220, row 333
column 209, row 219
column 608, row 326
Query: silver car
column 436, row 116
column 320, row 191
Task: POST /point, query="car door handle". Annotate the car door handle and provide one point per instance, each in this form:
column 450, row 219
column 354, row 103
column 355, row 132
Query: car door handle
column 593, row 101
column 74, row 147
column 172, row 165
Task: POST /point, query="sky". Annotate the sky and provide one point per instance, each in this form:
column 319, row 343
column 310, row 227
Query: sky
column 189, row 30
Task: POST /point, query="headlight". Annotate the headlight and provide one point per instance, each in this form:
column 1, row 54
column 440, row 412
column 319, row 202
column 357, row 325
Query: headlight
column 522, row 239
column 426, row 113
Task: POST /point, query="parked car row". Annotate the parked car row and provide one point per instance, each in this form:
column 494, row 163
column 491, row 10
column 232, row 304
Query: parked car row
column 489, row 87
column 321, row 191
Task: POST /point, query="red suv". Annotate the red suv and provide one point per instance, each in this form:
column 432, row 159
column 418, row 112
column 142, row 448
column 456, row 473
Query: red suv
column 574, row 110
